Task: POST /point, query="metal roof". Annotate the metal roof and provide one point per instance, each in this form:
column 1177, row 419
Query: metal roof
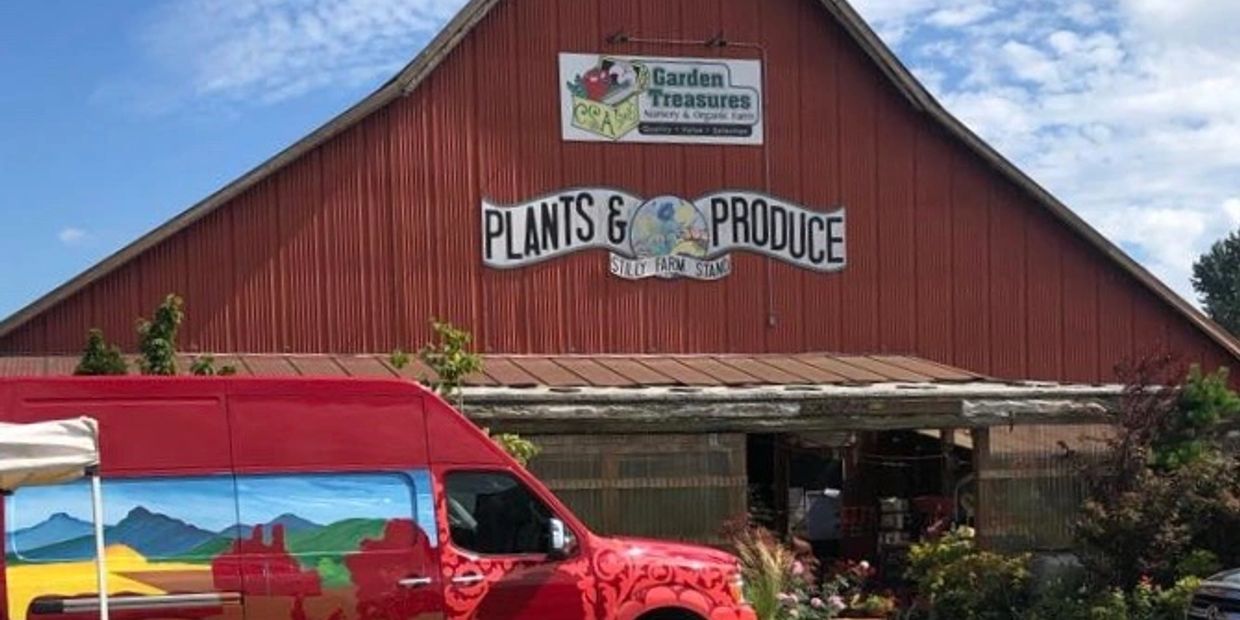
column 698, row 393
column 474, row 11
column 579, row 371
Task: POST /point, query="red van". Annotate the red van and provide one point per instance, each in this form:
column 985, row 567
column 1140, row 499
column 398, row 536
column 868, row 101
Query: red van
column 319, row 499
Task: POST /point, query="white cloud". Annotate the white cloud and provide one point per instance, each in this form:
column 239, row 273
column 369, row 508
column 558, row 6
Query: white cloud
column 1232, row 208
column 956, row 16
column 264, row 51
column 1128, row 110
column 72, row 236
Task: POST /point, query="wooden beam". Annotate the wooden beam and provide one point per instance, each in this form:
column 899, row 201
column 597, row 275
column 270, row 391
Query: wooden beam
column 576, row 416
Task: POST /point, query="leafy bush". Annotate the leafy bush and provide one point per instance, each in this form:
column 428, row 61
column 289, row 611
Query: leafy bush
column 956, row 580
column 519, row 448
column 1165, row 502
column 1191, row 433
column 157, row 338
column 100, row 358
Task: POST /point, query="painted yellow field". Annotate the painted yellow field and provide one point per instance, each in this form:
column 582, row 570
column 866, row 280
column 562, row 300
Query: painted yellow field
column 29, row 581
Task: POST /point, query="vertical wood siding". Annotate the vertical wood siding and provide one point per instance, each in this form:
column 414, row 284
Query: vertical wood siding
column 359, row 243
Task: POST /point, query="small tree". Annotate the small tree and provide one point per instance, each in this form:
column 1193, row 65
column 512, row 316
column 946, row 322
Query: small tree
column 100, row 358
column 451, row 360
column 157, row 338
column 1216, row 276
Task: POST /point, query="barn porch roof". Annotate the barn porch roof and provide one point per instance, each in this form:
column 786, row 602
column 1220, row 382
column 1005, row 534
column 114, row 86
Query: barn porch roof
column 704, row 392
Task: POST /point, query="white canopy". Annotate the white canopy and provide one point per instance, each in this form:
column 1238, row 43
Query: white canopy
column 47, row 452
column 51, row 453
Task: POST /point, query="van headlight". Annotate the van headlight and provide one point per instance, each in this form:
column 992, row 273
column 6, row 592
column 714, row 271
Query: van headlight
column 738, row 588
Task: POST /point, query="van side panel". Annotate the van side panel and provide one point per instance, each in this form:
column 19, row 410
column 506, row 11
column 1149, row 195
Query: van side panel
column 182, row 430
column 169, row 504
column 315, row 431
column 336, row 503
column 454, row 440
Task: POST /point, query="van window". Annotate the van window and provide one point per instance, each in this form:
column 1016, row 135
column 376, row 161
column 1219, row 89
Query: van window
column 168, row 519
column 493, row 513
column 323, row 513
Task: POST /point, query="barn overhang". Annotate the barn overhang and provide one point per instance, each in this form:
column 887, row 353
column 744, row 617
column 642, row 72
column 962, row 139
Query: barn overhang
column 791, row 408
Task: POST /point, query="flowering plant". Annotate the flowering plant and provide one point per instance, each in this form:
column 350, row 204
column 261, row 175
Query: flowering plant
column 779, row 585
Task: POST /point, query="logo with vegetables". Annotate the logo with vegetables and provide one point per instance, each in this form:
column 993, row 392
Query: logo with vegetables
column 606, row 98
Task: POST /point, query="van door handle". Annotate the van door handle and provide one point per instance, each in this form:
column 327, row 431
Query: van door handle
column 468, row 579
column 414, row 582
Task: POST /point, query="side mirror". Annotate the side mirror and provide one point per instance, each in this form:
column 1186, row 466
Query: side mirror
column 558, row 543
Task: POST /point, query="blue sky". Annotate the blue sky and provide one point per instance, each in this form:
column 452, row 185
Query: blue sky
column 116, row 116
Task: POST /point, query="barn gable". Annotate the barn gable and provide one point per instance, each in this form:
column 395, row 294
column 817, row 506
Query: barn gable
column 351, row 240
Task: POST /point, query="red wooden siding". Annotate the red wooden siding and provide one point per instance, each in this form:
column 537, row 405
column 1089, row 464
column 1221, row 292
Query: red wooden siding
column 359, row 243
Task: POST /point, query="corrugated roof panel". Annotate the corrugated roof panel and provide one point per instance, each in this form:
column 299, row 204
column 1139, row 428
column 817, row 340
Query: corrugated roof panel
column 57, row 366
column 566, row 370
column 764, row 372
column 548, row 372
column 595, row 373
column 507, row 373
column 724, row 373
column 364, row 366
column 811, row 374
column 414, row 369
column 841, row 368
column 888, row 371
column 270, row 366
column 933, row 370
column 638, row 372
column 680, row 372
column 316, row 366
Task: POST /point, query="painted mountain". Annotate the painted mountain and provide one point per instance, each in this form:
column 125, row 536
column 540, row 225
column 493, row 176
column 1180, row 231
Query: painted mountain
column 151, row 534
column 309, row 543
column 56, row 529
column 292, row 523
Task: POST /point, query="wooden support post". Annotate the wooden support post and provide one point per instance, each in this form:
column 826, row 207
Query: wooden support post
column 947, row 447
column 782, row 474
column 981, row 464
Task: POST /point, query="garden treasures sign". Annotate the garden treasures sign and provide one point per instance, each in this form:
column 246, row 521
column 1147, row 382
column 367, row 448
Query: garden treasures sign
column 663, row 100
column 666, row 236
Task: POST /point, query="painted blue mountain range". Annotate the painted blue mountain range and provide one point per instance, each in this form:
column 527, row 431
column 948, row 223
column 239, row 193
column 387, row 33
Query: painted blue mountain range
column 154, row 535
column 57, row 528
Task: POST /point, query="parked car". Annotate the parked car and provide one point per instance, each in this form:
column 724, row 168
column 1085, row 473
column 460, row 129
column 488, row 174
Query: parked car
column 1218, row 598
column 318, row 499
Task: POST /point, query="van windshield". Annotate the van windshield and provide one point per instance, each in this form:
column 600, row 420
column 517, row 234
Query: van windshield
column 1230, row 577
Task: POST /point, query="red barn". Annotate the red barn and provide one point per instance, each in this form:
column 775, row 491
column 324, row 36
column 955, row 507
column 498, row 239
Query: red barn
column 644, row 193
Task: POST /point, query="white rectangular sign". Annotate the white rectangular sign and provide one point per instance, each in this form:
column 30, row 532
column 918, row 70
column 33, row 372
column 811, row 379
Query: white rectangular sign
column 661, row 100
column 664, row 236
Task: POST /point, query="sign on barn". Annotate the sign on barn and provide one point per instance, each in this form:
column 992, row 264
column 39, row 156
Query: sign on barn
column 666, row 236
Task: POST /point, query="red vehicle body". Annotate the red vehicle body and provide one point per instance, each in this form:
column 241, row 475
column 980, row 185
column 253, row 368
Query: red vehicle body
column 321, row 499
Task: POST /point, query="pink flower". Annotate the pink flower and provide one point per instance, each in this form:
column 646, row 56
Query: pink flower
column 798, row 568
column 836, row 603
column 816, row 603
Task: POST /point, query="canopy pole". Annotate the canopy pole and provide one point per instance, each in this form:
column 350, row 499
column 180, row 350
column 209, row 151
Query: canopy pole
column 101, row 561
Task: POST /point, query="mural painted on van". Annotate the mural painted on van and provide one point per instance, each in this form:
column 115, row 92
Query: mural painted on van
column 304, row 547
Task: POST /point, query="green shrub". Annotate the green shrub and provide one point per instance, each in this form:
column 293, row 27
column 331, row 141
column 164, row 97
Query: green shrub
column 956, row 580
column 157, row 338
column 100, row 358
